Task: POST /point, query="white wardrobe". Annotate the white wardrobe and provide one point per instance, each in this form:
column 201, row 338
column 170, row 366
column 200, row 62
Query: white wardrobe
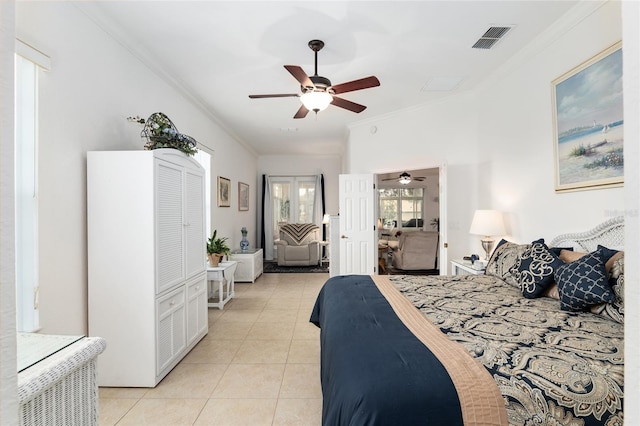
column 146, row 256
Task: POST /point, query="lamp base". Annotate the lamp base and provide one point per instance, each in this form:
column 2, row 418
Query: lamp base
column 487, row 245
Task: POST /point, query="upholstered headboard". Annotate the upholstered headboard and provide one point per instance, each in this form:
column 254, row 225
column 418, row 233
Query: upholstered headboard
column 609, row 234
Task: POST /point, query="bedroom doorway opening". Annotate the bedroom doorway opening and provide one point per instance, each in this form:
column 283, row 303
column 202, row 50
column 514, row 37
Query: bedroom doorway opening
column 410, row 201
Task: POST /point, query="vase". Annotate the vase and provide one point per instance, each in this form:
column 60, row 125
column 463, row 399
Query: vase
column 244, row 243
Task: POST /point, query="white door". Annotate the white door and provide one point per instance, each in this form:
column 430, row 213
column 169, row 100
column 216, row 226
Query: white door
column 357, row 228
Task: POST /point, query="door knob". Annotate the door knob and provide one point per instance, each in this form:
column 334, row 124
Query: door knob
column 343, row 236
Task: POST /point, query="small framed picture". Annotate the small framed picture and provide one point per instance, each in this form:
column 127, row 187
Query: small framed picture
column 224, row 192
column 243, row 196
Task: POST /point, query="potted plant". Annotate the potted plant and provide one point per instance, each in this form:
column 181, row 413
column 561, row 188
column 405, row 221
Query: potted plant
column 217, row 248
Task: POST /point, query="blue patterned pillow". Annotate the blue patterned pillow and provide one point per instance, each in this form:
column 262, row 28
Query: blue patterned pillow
column 534, row 269
column 583, row 283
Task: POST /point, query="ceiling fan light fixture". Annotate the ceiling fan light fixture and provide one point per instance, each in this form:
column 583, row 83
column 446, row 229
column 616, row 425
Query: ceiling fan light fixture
column 405, row 179
column 316, row 100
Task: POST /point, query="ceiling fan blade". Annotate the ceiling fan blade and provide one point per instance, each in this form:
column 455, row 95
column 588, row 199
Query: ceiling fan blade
column 363, row 83
column 302, row 112
column 299, row 74
column 277, row 95
column 351, row 106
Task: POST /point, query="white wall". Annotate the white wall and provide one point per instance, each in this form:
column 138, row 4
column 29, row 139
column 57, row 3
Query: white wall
column 444, row 133
column 94, row 84
column 516, row 134
column 497, row 141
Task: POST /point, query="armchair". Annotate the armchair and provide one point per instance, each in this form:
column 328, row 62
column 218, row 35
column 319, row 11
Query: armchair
column 416, row 250
column 299, row 244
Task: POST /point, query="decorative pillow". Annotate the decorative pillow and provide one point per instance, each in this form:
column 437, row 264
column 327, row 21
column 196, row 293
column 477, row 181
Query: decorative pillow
column 502, row 260
column 615, row 310
column 610, row 256
column 534, row 269
column 583, row 283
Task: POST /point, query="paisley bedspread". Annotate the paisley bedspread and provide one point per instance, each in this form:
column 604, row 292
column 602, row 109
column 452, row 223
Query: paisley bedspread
column 552, row 367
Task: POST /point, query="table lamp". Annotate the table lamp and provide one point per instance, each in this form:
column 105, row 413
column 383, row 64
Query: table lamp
column 487, row 223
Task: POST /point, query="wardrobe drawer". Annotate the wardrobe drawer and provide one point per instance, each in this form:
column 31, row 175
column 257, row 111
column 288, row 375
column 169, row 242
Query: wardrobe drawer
column 171, row 301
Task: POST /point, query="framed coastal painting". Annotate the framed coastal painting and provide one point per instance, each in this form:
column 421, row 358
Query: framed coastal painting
column 243, row 196
column 224, row 192
column 588, row 123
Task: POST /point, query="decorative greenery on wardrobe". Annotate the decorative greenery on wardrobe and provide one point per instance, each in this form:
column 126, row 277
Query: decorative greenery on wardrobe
column 160, row 132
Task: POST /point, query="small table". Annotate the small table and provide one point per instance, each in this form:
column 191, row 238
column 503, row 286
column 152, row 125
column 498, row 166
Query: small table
column 223, row 273
column 464, row 267
column 250, row 264
column 323, row 245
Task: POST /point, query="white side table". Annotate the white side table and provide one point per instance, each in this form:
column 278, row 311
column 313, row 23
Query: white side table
column 250, row 264
column 221, row 274
column 463, row 267
column 324, row 247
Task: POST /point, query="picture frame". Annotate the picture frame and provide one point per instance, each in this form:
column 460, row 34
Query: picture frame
column 224, row 192
column 243, row 196
column 588, row 123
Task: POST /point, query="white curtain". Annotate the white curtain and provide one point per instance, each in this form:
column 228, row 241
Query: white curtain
column 317, row 203
column 268, row 220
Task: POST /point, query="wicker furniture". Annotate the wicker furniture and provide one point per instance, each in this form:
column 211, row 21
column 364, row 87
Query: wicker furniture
column 250, row 264
column 60, row 388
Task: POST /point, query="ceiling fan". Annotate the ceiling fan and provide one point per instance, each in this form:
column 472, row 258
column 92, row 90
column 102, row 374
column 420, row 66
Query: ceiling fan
column 405, row 178
column 318, row 92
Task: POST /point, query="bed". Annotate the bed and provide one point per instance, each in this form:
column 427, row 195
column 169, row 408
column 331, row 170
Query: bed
column 537, row 340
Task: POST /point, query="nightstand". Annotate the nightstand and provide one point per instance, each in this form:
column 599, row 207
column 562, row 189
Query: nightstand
column 463, row 267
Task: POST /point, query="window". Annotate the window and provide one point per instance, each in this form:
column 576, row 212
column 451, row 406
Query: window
column 293, row 201
column 28, row 61
column 402, row 207
column 204, row 158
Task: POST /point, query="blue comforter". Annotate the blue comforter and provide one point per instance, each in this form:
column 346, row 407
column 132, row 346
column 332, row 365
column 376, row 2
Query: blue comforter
column 374, row 371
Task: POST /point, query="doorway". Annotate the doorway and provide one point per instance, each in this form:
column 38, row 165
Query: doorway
column 409, row 201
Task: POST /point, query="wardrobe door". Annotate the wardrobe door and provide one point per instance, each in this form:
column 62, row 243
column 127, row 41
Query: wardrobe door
column 170, row 269
column 195, row 238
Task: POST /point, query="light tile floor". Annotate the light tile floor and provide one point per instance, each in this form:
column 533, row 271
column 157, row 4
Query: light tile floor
column 259, row 365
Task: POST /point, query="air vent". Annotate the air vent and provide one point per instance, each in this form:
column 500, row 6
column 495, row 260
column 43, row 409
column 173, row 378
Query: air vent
column 490, row 37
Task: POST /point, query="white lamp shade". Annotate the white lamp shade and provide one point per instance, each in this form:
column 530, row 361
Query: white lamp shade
column 325, row 219
column 487, row 223
column 316, row 101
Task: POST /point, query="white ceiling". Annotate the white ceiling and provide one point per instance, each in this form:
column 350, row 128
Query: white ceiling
column 219, row 52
